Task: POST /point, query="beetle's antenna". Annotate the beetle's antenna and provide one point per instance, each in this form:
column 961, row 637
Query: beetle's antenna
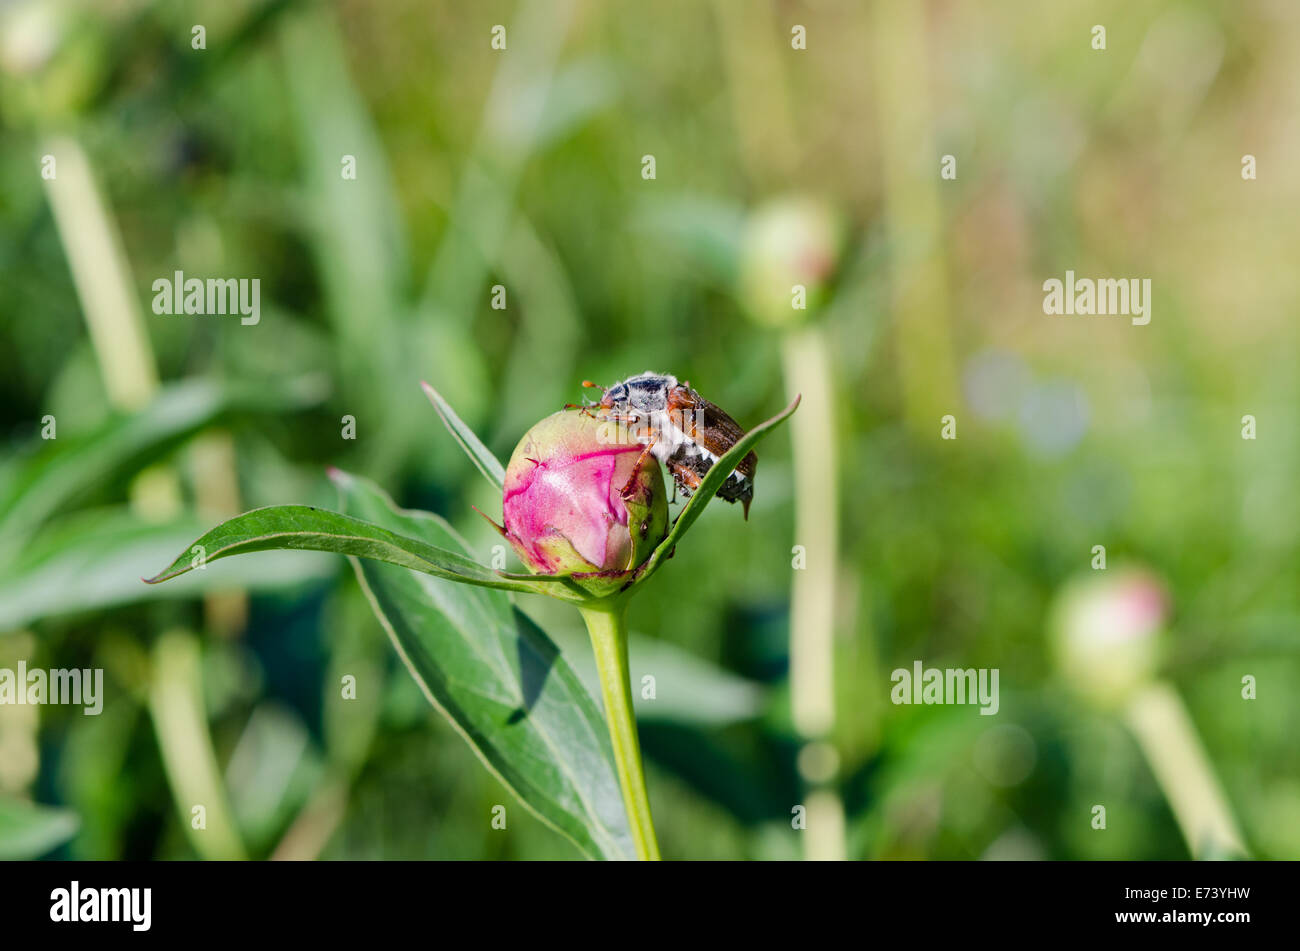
column 586, row 405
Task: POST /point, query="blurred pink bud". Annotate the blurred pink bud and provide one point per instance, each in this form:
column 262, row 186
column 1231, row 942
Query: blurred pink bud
column 30, row 35
column 579, row 497
column 789, row 242
column 1105, row 630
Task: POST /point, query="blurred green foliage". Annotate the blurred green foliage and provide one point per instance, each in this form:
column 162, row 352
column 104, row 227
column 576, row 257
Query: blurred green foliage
column 523, row 168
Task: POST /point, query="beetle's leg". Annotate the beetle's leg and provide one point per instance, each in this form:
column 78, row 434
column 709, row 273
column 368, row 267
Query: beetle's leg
column 626, row 491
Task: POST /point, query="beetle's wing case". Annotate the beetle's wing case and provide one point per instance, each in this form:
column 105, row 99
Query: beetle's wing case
column 708, row 426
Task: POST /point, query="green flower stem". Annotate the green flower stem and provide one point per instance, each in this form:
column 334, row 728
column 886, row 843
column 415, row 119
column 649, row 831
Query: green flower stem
column 607, row 625
column 1167, row 736
column 807, row 359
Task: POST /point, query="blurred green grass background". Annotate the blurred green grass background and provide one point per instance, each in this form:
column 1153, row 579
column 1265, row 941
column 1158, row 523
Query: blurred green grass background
column 523, row 168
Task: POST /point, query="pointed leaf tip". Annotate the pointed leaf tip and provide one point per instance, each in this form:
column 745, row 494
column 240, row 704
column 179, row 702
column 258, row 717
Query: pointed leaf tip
column 479, row 454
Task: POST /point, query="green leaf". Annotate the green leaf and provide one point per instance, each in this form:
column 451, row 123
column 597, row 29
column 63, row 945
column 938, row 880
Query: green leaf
column 709, row 486
column 34, row 487
column 500, row 681
column 481, row 456
column 307, row 528
column 94, row 560
column 28, row 830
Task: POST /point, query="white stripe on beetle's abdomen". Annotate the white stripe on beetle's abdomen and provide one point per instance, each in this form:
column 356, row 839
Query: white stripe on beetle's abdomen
column 671, row 438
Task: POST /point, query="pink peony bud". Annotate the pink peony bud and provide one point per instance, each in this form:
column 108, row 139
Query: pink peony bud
column 580, row 498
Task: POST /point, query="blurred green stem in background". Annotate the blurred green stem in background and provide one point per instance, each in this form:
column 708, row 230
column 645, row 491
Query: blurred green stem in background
column 102, row 278
column 807, row 363
column 607, row 624
column 176, row 704
column 1168, row 738
column 761, row 110
column 913, row 217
